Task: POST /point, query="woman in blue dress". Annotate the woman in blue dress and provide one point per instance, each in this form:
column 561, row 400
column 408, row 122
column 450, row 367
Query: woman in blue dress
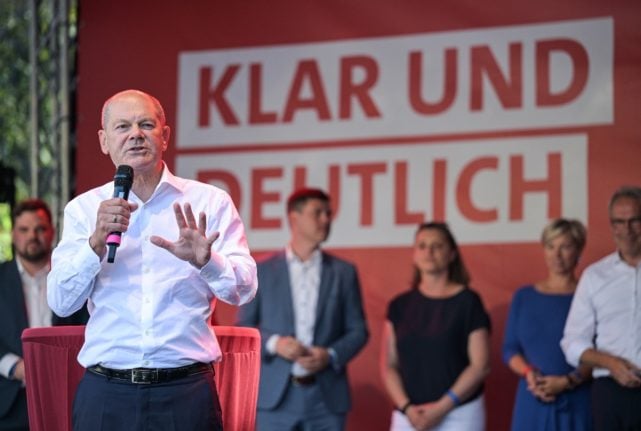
column 551, row 394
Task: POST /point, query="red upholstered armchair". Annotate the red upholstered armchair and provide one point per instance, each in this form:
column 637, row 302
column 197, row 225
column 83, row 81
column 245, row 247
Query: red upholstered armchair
column 53, row 374
column 237, row 376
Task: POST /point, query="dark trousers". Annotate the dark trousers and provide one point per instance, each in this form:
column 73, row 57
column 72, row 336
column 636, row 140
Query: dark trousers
column 189, row 404
column 615, row 407
column 301, row 409
column 16, row 418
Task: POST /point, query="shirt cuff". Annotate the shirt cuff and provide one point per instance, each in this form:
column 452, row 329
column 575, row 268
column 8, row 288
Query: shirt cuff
column 7, row 362
column 270, row 345
column 333, row 359
column 87, row 258
column 574, row 352
column 213, row 268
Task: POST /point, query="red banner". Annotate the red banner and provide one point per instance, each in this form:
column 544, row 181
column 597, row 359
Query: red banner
column 495, row 118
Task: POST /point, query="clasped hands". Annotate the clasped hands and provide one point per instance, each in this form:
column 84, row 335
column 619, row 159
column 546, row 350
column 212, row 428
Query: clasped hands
column 193, row 245
column 428, row 415
column 547, row 387
column 19, row 372
column 313, row 358
column 624, row 372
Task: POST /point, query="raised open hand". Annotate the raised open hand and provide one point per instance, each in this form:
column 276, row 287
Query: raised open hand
column 193, row 245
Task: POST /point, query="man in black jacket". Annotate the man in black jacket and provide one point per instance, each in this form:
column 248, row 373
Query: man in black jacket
column 23, row 304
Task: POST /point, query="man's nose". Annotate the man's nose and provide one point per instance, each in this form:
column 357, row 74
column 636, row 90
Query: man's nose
column 137, row 132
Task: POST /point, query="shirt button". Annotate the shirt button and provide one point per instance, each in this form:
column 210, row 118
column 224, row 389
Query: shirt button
column 145, row 362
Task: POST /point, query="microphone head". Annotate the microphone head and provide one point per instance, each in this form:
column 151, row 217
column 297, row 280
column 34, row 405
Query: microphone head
column 124, row 176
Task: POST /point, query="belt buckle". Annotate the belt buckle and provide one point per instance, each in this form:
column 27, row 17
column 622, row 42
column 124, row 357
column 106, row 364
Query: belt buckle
column 144, row 376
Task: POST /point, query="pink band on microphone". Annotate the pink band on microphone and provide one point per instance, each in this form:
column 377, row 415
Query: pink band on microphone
column 113, row 238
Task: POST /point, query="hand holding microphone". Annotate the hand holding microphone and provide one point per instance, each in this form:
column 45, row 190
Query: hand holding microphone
column 123, row 180
column 113, row 215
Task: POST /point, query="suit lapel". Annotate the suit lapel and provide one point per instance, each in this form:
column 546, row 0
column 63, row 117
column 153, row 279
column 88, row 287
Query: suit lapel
column 326, row 281
column 15, row 295
column 284, row 287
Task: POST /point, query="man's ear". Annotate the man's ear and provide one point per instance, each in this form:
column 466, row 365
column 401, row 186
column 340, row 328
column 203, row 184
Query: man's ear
column 102, row 138
column 166, row 133
column 290, row 218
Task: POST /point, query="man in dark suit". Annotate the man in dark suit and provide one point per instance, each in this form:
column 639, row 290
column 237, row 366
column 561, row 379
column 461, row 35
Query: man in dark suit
column 309, row 311
column 23, row 304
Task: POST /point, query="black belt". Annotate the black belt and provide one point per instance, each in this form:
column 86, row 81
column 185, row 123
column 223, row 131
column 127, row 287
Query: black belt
column 304, row 380
column 151, row 375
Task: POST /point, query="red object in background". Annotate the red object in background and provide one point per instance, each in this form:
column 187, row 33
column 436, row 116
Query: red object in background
column 110, row 59
column 53, row 373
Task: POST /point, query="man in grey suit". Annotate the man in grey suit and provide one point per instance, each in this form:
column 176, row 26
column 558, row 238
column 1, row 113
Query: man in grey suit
column 309, row 311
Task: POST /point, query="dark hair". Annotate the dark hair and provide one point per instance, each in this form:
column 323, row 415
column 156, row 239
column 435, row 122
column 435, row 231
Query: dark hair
column 299, row 197
column 456, row 270
column 631, row 192
column 32, row 204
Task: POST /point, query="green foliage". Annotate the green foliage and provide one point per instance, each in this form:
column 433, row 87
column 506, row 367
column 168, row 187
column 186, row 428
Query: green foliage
column 15, row 75
column 14, row 89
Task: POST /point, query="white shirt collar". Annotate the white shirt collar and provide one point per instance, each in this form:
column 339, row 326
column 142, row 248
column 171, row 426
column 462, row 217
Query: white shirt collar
column 314, row 258
column 21, row 269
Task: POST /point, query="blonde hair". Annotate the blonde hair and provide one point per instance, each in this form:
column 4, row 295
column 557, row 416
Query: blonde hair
column 573, row 228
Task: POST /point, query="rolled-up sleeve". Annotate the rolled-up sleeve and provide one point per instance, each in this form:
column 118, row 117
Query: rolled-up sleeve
column 74, row 265
column 231, row 272
column 580, row 325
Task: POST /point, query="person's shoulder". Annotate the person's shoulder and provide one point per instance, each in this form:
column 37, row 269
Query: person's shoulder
column 270, row 267
column 188, row 183
column 97, row 194
column 271, row 258
column 337, row 262
column 470, row 292
column 603, row 266
column 400, row 298
column 99, row 191
column 523, row 295
column 7, row 265
column 525, row 291
column 469, row 296
column 208, row 195
column 9, row 272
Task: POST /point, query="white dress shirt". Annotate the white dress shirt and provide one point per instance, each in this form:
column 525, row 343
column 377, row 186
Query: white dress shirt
column 35, row 295
column 149, row 308
column 304, row 279
column 605, row 313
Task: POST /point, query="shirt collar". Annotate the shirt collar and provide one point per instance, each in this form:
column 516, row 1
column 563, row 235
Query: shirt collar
column 22, row 271
column 291, row 257
column 167, row 180
column 619, row 260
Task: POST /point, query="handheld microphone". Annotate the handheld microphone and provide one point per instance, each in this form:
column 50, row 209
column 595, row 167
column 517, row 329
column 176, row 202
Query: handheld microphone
column 123, row 180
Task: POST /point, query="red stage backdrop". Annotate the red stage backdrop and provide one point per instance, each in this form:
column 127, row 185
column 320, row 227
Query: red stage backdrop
column 494, row 117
